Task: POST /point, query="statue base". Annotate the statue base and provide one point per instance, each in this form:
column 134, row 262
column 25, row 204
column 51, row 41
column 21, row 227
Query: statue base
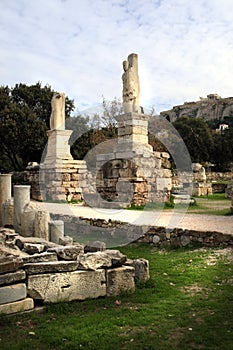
column 58, row 148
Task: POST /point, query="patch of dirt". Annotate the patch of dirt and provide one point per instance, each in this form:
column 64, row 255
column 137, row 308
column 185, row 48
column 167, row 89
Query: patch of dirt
column 225, row 253
column 195, row 289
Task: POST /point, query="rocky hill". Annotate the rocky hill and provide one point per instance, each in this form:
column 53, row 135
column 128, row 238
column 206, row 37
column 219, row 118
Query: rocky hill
column 209, row 108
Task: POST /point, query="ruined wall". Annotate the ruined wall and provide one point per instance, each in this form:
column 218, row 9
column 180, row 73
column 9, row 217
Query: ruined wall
column 68, row 182
column 137, row 181
column 116, row 231
column 219, row 176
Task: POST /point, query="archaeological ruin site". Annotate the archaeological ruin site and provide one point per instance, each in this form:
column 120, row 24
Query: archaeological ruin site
column 50, row 256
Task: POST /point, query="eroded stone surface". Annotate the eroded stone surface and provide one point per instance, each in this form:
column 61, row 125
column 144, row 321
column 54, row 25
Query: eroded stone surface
column 50, row 267
column 117, row 258
column 94, row 261
column 20, row 241
column 95, row 246
column 77, row 285
column 12, row 277
column 141, row 267
column 10, row 264
column 31, row 248
column 41, row 224
column 17, row 306
column 14, row 292
column 42, row 257
column 120, row 280
column 68, row 252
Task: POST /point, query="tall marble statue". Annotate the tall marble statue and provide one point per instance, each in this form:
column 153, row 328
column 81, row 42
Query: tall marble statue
column 57, row 118
column 131, row 88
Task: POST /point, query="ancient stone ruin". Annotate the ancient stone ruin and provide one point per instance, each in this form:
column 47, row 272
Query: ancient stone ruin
column 130, row 173
column 40, row 264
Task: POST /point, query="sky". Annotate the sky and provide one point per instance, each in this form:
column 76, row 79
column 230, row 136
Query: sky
column 184, row 47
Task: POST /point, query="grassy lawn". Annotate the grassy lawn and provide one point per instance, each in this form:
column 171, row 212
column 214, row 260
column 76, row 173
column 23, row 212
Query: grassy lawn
column 187, row 304
column 215, row 204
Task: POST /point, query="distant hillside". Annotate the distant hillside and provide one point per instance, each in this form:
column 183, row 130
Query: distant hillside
column 210, row 108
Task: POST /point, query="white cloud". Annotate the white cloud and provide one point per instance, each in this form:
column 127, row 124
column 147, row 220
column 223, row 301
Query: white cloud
column 77, row 46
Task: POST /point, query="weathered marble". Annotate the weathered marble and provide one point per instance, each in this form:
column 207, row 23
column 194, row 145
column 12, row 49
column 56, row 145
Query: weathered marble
column 21, row 200
column 8, row 213
column 41, row 224
column 17, row 306
column 57, row 118
column 120, row 280
column 14, row 292
column 5, row 192
column 10, row 264
column 50, row 267
column 56, row 230
column 141, row 267
column 67, row 286
column 42, row 257
column 12, row 277
column 131, row 87
column 94, row 261
column 68, row 252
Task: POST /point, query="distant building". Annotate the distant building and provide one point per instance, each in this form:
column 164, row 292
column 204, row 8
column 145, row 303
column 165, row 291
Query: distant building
column 222, row 127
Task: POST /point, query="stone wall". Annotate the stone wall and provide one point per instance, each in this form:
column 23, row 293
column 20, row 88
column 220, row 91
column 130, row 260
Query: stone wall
column 137, row 181
column 116, row 232
column 219, row 176
column 133, row 174
column 68, row 182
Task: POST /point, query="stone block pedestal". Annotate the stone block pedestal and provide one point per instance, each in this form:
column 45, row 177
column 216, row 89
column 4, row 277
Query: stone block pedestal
column 58, row 147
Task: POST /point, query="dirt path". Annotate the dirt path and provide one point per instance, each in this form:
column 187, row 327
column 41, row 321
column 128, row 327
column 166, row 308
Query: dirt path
column 164, row 218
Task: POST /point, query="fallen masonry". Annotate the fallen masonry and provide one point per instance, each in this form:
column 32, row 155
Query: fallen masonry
column 35, row 271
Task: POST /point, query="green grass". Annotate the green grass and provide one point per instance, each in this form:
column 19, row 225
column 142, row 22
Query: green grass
column 187, row 304
column 152, row 206
column 215, row 196
column 215, row 204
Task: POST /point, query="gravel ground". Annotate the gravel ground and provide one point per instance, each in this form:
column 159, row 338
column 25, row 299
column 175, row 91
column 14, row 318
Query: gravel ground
column 164, row 218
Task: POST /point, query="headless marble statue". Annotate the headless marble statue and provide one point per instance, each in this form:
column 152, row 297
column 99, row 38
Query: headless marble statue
column 57, row 118
column 131, row 88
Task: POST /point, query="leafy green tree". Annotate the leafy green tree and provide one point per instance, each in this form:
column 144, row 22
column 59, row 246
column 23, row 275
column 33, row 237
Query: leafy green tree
column 197, row 136
column 24, row 118
column 222, row 154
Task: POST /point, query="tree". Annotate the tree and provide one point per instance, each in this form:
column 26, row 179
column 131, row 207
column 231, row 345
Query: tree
column 197, row 137
column 222, row 154
column 24, row 118
column 102, row 127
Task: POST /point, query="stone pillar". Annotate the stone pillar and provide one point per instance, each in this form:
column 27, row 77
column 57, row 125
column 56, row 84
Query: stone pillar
column 8, row 214
column 5, row 192
column 41, row 224
column 21, row 199
column 56, row 230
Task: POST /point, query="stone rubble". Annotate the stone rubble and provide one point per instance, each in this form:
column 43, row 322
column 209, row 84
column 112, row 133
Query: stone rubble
column 49, row 272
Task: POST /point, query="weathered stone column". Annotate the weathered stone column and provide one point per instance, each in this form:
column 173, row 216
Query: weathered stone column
column 5, row 191
column 41, row 224
column 8, row 213
column 56, row 230
column 21, row 199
